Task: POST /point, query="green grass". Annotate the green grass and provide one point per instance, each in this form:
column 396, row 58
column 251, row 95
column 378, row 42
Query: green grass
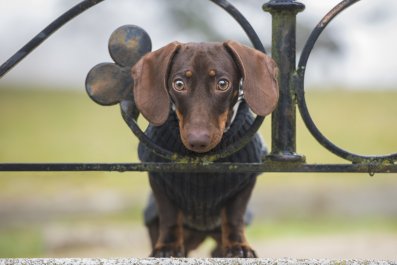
column 59, row 126
column 26, row 242
column 66, row 126
column 360, row 122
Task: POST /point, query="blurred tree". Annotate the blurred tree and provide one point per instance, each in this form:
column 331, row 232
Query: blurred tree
column 196, row 17
column 192, row 14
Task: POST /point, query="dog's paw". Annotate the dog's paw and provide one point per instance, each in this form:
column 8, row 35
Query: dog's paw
column 239, row 251
column 168, row 252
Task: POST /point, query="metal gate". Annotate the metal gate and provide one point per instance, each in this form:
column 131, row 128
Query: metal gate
column 283, row 156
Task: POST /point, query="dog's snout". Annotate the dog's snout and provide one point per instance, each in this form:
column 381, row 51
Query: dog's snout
column 199, row 140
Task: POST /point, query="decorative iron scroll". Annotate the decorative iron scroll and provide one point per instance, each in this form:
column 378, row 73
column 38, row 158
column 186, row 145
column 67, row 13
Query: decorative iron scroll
column 283, row 157
column 299, row 84
column 109, row 83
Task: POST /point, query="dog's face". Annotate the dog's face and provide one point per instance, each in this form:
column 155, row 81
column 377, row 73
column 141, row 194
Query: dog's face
column 202, row 81
column 203, row 84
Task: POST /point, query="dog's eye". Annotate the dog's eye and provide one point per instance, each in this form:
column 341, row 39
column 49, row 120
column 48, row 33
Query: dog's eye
column 178, row 85
column 223, row 85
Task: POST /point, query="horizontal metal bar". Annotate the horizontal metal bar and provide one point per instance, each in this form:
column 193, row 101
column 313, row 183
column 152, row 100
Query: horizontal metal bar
column 268, row 166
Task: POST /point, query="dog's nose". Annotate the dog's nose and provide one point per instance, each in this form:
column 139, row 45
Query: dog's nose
column 199, row 140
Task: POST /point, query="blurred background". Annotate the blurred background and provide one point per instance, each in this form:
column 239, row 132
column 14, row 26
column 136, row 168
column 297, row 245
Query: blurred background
column 45, row 116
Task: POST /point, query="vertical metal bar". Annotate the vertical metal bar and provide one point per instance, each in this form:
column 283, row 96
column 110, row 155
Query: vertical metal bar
column 284, row 53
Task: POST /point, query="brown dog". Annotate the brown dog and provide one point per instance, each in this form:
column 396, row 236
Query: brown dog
column 192, row 96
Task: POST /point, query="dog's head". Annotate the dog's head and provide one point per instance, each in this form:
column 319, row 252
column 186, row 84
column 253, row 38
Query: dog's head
column 202, row 81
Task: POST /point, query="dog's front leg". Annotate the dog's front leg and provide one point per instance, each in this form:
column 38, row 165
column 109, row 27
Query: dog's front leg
column 170, row 240
column 234, row 242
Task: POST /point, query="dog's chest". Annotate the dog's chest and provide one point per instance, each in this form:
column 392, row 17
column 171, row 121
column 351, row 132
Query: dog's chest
column 201, row 196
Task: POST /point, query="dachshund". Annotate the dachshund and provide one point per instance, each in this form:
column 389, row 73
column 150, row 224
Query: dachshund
column 199, row 97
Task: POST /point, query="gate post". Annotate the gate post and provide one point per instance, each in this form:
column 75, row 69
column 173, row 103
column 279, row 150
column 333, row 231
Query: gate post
column 284, row 53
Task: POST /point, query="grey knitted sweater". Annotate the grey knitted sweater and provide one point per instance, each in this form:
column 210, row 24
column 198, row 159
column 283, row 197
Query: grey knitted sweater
column 201, row 196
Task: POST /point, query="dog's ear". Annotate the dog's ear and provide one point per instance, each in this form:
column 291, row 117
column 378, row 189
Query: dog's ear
column 150, row 75
column 259, row 73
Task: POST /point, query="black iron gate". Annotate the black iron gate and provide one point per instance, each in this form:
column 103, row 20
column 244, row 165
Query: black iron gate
column 283, row 156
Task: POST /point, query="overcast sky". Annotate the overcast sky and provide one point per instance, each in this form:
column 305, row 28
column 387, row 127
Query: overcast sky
column 367, row 32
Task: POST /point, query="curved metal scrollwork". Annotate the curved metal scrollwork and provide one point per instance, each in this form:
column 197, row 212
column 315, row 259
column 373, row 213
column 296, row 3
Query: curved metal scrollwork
column 299, row 84
column 214, row 155
column 45, row 33
column 109, row 84
column 128, row 109
column 87, row 4
column 286, row 11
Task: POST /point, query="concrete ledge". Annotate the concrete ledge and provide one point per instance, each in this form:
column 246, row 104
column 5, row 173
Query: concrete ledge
column 191, row 261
